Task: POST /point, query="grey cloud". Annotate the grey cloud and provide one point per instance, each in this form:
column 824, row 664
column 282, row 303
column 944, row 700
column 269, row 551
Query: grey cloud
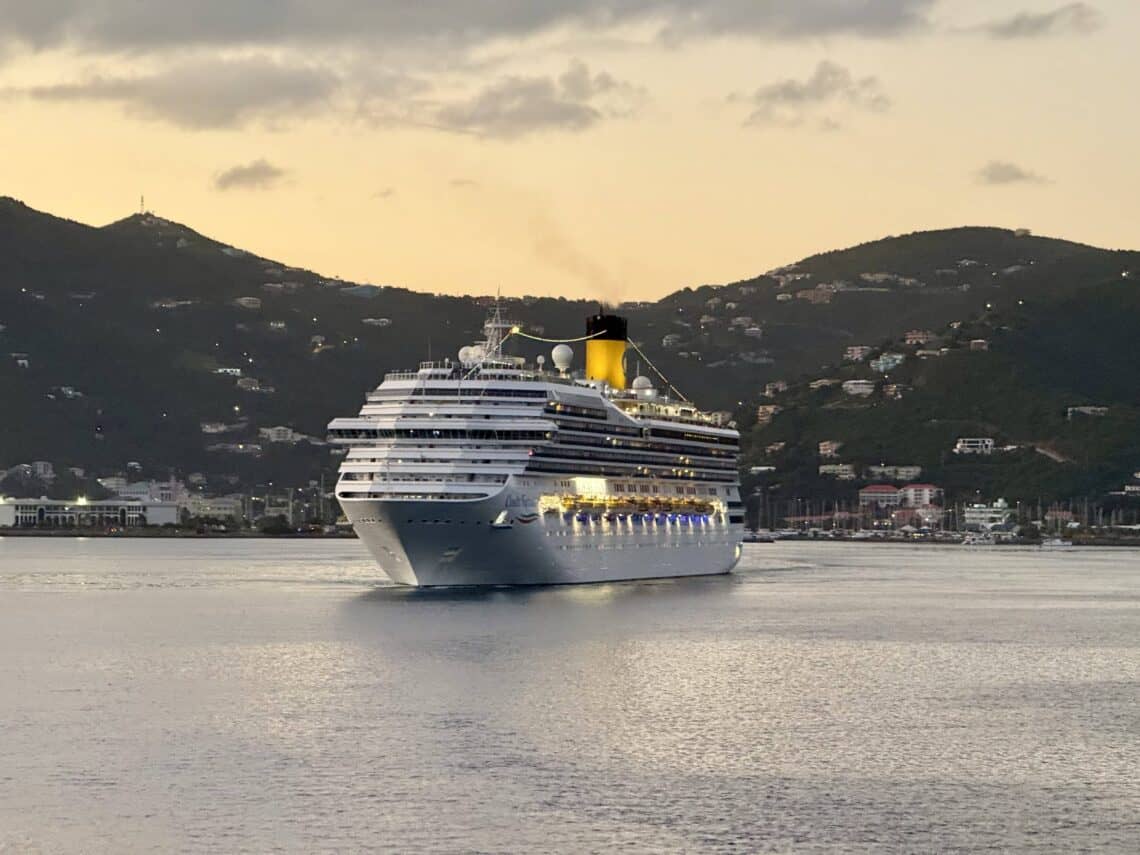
column 463, row 183
column 517, row 106
column 791, row 102
column 158, row 24
column 207, row 94
column 259, row 174
column 1002, row 172
column 1071, row 18
column 384, row 193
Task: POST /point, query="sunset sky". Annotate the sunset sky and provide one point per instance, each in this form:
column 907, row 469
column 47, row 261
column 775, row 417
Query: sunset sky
column 594, row 148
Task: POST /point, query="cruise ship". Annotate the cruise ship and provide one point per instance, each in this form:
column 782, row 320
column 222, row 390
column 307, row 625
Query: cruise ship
column 488, row 470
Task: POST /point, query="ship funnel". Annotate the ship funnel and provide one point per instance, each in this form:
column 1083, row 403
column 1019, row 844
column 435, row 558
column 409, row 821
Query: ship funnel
column 605, row 349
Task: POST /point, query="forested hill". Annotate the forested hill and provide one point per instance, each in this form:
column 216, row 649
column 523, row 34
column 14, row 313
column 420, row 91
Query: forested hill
column 112, row 336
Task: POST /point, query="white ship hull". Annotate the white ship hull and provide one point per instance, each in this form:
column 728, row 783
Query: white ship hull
column 459, row 543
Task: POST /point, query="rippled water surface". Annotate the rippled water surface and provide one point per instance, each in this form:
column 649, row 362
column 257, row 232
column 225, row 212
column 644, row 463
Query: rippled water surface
column 229, row 696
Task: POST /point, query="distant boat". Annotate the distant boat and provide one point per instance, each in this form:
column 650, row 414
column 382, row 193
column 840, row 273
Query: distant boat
column 1056, row 543
column 979, row 539
column 758, row 537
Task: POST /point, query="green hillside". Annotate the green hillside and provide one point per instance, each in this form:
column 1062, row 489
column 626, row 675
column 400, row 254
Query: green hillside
column 1044, row 358
column 123, row 327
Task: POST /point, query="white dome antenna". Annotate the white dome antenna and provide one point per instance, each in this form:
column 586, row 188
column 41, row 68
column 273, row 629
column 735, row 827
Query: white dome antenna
column 562, row 356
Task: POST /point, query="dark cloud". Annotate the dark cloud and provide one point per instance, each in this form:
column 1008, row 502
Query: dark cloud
column 1071, row 18
column 208, row 94
column 1002, row 172
column 132, row 25
column 791, row 102
column 259, row 174
column 517, row 106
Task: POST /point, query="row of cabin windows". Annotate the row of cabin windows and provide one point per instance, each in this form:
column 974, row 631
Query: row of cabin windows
column 460, row 392
column 564, row 452
column 602, row 470
column 437, row 433
column 658, row 453
column 403, row 478
column 690, row 436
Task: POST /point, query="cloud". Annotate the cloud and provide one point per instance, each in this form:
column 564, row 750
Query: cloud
column 463, row 183
column 1002, row 172
column 384, row 193
column 516, row 106
column 789, row 103
column 259, row 174
column 156, row 25
column 1071, row 18
column 208, row 94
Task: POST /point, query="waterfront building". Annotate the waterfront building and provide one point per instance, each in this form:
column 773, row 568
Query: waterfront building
column 881, row 496
column 920, row 495
column 81, row 513
column 979, row 517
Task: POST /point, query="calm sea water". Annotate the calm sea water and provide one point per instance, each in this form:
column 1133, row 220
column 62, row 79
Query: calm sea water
column 231, row 696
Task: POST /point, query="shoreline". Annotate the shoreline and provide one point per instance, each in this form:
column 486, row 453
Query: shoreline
column 175, row 534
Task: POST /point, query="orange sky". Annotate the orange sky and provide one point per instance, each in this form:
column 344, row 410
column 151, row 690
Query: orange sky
column 622, row 153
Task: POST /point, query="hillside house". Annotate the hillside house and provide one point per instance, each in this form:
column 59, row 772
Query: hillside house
column 766, row 412
column 884, row 472
column 838, row 471
column 887, row 362
column 857, row 352
column 979, row 344
column 917, row 337
column 1085, row 411
column 248, row 302
column 974, row 445
column 829, row 448
column 771, row 390
column 859, row 388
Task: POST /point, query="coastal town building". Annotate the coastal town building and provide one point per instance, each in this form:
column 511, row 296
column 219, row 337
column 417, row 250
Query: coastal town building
column 920, row 495
column 880, row 496
column 883, row 472
column 980, row 517
column 917, row 337
column 979, row 344
column 857, row 352
column 81, row 513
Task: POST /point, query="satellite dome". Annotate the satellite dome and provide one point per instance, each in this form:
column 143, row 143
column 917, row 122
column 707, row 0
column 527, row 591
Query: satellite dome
column 643, row 388
column 465, row 355
column 562, row 356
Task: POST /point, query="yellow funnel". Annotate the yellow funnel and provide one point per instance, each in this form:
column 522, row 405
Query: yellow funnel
column 605, row 351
